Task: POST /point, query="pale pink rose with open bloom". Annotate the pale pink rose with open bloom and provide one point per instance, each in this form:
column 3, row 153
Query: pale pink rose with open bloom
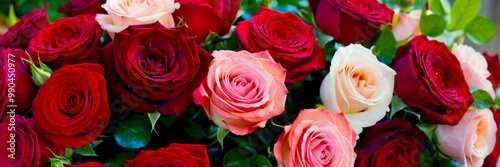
column 475, row 67
column 359, row 86
column 242, row 90
column 471, row 140
column 317, row 138
column 407, row 25
column 122, row 13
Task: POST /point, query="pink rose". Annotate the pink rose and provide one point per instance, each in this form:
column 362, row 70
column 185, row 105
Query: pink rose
column 475, row 68
column 407, row 25
column 317, row 138
column 242, row 90
column 471, row 140
column 122, row 13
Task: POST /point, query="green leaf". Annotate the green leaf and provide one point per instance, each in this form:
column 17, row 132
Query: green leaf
column 323, row 40
column 447, row 37
column 193, row 129
column 12, row 18
column 153, row 118
column 168, row 121
column 481, row 30
column 432, row 25
column 437, row 7
column 68, row 153
column 54, row 162
column 120, row 158
column 396, row 105
column 428, row 129
column 307, row 16
column 266, row 3
column 133, row 133
column 86, row 151
column 40, row 75
column 462, row 12
column 221, row 134
column 481, row 97
column 385, row 45
column 210, row 38
column 245, row 158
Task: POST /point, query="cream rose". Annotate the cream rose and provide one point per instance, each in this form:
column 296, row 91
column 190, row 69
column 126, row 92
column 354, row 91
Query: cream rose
column 359, row 85
column 471, row 140
column 407, row 25
column 122, row 13
column 475, row 67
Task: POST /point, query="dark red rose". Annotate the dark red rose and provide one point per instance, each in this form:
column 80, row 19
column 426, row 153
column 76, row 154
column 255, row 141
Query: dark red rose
column 19, row 35
column 16, row 80
column 78, row 7
column 45, row 145
column 88, row 164
column 493, row 68
column 68, row 41
column 491, row 160
column 430, row 81
column 350, row 21
column 19, row 142
column 71, row 108
column 192, row 155
column 205, row 16
column 151, row 68
column 289, row 41
column 394, row 142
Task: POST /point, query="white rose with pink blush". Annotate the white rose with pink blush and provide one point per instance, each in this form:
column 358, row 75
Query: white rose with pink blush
column 122, row 13
column 475, row 67
column 359, row 85
column 471, row 140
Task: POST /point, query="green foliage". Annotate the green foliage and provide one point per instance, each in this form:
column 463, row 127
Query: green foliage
column 133, row 133
column 120, row 158
column 385, row 45
column 221, row 134
column 193, row 129
column 239, row 157
column 153, row 118
column 86, row 151
column 481, row 97
column 462, row 12
column 481, row 30
column 432, row 25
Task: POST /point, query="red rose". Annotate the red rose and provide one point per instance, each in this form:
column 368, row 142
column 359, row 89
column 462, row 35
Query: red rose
column 88, row 164
column 19, row 142
column 16, row 80
column 350, row 21
column 493, row 68
column 19, row 35
column 491, row 160
column 78, row 7
column 47, row 148
column 174, row 155
column 151, row 68
column 68, row 41
column 71, row 108
column 430, row 81
column 394, row 142
column 290, row 42
column 205, row 16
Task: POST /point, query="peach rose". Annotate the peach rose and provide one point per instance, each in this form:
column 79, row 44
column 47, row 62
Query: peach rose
column 122, row 13
column 407, row 25
column 242, row 90
column 359, row 85
column 317, row 138
column 475, row 67
column 471, row 140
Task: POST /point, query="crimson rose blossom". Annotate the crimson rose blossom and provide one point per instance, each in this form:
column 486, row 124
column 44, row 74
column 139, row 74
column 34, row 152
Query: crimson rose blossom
column 16, row 78
column 242, row 90
column 317, row 138
column 290, row 42
column 151, row 68
column 19, row 35
column 394, row 142
column 430, row 81
column 78, row 7
column 493, row 68
column 68, row 41
column 350, row 21
column 205, row 16
column 192, row 155
column 71, row 108
column 88, row 164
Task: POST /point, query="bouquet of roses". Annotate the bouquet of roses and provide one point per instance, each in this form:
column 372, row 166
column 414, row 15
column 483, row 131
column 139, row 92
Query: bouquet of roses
column 304, row 83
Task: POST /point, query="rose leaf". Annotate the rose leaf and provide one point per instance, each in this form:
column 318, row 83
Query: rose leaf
column 481, row 98
column 462, row 12
column 221, row 134
column 86, row 151
column 481, row 30
column 133, row 133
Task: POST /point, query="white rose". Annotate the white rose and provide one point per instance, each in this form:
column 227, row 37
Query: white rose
column 475, row 67
column 359, row 85
column 122, row 13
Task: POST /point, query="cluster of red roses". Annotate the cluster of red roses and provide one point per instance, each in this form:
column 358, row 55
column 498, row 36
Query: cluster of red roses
column 155, row 63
